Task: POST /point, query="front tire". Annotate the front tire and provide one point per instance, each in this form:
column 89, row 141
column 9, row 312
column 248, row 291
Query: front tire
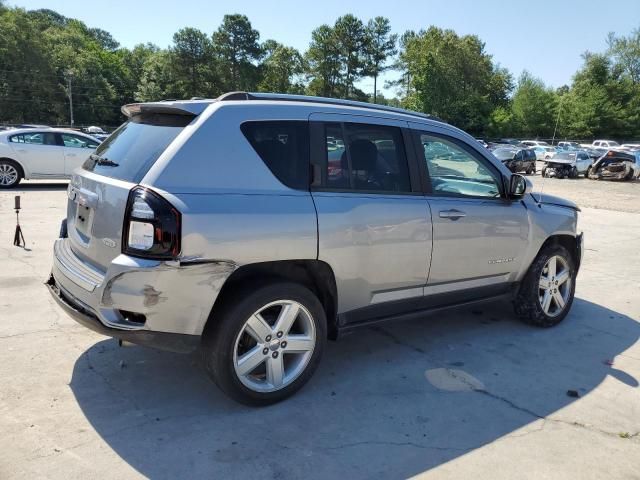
column 10, row 175
column 264, row 344
column 547, row 290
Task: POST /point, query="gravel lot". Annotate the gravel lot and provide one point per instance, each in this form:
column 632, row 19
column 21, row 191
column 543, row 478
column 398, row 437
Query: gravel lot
column 467, row 394
column 604, row 195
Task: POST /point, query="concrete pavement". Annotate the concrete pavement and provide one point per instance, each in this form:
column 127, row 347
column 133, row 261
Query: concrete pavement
column 391, row 401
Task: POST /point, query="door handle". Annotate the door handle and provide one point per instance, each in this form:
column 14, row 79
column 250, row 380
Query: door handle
column 71, row 155
column 452, row 214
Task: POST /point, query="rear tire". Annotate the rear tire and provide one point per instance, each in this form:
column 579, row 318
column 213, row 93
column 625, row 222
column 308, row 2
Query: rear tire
column 10, row 174
column 246, row 326
column 546, row 307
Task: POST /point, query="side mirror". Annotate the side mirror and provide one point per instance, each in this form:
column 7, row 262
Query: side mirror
column 518, row 186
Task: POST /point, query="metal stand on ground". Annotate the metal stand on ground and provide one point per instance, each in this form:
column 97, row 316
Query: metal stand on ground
column 18, row 238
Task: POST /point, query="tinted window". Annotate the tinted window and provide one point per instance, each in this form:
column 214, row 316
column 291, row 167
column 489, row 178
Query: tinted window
column 135, row 146
column 35, row 138
column 457, row 173
column 284, row 147
column 366, row 158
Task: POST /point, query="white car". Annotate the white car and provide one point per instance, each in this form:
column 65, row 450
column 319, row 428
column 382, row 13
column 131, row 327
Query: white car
column 544, row 153
column 605, row 144
column 630, row 147
column 38, row 153
column 534, row 143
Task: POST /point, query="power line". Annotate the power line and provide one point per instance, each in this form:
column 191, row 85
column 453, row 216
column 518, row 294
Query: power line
column 59, row 102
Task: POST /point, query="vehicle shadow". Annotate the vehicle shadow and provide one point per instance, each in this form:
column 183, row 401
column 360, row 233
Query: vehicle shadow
column 40, row 186
column 370, row 410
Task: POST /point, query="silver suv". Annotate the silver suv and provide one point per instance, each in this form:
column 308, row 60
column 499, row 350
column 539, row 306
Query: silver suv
column 256, row 226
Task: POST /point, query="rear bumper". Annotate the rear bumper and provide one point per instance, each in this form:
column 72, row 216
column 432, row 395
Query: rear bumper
column 136, row 295
column 173, row 342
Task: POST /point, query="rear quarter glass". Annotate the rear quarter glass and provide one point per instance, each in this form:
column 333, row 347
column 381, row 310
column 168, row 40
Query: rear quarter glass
column 133, row 148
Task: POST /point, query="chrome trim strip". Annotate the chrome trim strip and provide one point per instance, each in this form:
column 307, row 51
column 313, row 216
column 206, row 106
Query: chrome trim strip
column 465, row 284
column 391, row 295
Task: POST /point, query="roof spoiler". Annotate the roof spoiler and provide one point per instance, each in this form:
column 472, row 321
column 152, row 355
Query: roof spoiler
column 171, row 108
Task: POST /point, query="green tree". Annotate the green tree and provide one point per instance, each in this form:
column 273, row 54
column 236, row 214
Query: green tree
column 351, row 40
column 625, row 52
column 30, row 87
column 156, row 81
column 281, row 69
column 533, row 107
column 191, row 56
column 323, row 62
column 453, row 78
column 594, row 106
column 380, row 45
column 235, row 43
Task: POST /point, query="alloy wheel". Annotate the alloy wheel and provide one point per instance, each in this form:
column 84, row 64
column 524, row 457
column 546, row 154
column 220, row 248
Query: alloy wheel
column 274, row 346
column 8, row 174
column 554, row 286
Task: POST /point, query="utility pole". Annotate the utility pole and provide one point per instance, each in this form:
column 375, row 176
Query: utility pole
column 69, row 76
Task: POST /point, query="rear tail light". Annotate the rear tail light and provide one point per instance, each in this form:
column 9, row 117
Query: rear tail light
column 151, row 226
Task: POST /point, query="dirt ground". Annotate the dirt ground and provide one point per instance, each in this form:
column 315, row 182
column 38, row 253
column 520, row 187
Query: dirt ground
column 603, row 195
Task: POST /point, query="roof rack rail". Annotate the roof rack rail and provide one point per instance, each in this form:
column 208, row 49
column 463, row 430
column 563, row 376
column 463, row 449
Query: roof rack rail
column 325, row 100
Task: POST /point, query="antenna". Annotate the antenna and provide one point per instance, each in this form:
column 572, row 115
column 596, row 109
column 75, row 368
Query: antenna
column 555, row 129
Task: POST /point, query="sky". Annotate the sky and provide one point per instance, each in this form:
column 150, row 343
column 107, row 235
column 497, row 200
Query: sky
column 545, row 37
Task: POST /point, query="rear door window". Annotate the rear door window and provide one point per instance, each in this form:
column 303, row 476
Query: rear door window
column 133, row 148
column 364, row 157
column 284, row 148
column 35, row 138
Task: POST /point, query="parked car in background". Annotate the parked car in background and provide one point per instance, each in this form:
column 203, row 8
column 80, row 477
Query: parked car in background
column 30, row 125
column 616, row 165
column 567, row 164
column 544, row 153
column 594, row 153
column 32, row 153
column 605, row 144
column 259, row 261
column 482, row 142
column 630, row 147
column 517, row 159
column 534, row 143
column 569, row 145
column 96, row 132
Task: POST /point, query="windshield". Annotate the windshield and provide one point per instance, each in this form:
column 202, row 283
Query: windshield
column 564, row 156
column 504, row 153
column 133, row 148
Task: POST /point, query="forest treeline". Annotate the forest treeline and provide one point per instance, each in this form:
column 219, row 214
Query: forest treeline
column 43, row 54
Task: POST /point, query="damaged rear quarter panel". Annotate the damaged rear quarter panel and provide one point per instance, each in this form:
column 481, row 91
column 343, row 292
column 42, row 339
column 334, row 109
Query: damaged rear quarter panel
column 174, row 297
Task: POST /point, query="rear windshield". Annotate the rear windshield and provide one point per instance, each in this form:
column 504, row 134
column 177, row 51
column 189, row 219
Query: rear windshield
column 133, row 148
